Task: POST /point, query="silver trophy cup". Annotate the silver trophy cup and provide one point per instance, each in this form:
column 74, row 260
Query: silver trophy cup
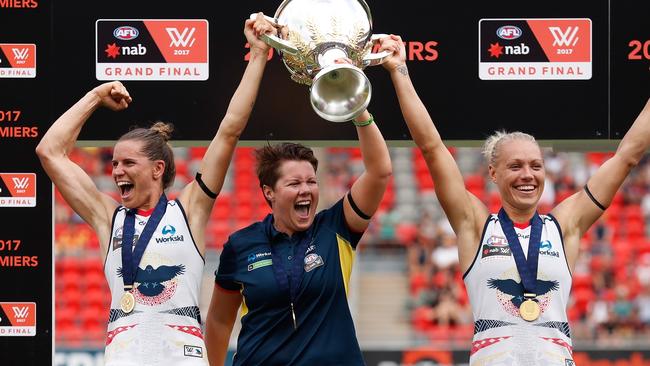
column 312, row 35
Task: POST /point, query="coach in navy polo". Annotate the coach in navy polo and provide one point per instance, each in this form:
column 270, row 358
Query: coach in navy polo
column 290, row 272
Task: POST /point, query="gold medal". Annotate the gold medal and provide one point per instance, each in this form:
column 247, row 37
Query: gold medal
column 529, row 310
column 127, row 302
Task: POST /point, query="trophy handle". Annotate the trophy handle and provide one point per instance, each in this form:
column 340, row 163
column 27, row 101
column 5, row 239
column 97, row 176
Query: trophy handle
column 275, row 41
column 373, row 59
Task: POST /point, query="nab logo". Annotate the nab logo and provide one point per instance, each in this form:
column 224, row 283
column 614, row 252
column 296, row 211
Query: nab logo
column 126, row 33
column 564, row 38
column 20, row 313
column 20, row 55
column 509, row 32
column 168, row 230
column 181, row 39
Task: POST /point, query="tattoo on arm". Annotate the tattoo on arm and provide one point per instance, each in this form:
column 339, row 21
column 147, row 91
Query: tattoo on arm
column 403, row 70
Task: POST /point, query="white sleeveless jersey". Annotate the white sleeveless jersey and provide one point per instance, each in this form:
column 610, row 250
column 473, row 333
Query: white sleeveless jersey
column 164, row 328
column 501, row 336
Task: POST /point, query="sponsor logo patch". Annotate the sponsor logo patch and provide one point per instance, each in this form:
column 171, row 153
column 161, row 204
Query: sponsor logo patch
column 492, row 251
column 193, row 351
column 312, row 261
column 169, row 235
column 497, row 241
column 255, row 256
column 545, row 248
column 259, row 264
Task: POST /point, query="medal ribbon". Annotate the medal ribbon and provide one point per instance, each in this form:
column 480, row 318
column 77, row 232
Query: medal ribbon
column 131, row 257
column 527, row 268
column 295, row 271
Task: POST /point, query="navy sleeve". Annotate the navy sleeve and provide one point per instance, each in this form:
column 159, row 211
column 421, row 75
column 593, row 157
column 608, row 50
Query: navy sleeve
column 334, row 218
column 225, row 274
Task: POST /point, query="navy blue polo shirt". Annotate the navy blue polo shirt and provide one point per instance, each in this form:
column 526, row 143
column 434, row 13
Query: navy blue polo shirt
column 325, row 333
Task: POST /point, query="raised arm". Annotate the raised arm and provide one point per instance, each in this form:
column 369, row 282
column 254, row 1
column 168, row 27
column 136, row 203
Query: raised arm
column 73, row 182
column 577, row 213
column 465, row 212
column 214, row 165
column 368, row 190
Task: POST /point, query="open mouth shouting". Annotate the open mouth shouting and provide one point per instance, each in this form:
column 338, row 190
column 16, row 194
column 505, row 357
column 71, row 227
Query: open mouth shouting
column 125, row 188
column 302, row 208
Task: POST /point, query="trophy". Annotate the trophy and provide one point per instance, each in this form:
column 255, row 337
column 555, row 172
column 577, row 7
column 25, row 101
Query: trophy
column 312, row 35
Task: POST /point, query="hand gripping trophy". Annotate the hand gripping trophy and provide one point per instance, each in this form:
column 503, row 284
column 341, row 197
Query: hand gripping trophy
column 313, row 35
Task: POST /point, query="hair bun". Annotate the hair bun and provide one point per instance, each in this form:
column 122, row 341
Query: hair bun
column 164, row 129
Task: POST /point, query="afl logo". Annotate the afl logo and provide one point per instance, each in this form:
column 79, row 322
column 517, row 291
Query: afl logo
column 126, row 33
column 509, row 32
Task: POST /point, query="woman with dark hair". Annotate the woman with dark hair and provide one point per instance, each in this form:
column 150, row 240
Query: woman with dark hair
column 290, row 272
column 152, row 247
column 517, row 264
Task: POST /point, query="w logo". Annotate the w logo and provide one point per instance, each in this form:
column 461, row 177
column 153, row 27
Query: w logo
column 20, row 183
column 20, row 312
column 181, row 39
column 564, row 38
column 20, row 54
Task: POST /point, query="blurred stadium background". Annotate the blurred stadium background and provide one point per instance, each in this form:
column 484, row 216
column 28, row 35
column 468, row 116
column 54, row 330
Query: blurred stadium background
column 407, row 294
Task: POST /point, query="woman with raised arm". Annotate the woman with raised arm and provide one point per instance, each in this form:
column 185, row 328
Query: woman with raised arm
column 517, row 263
column 152, row 248
column 290, row 272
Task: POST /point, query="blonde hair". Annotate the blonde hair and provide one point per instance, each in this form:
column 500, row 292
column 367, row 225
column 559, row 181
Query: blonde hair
column 493, row 143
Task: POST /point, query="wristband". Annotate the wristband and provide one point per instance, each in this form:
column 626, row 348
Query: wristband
column 364, row 123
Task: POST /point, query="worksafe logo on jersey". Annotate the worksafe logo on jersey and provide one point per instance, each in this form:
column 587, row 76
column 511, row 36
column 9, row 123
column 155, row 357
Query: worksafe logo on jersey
column 17, row 60
column 535, row 49
column 546, row 248
column 17, row 189
column 17, row 319
column 255, row 256
column 169, row 235
column 151, row 49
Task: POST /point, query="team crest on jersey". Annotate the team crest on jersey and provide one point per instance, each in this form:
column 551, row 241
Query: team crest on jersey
column 312, row 261
column 568, row 362
column 510, row 291
column 156, row 279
